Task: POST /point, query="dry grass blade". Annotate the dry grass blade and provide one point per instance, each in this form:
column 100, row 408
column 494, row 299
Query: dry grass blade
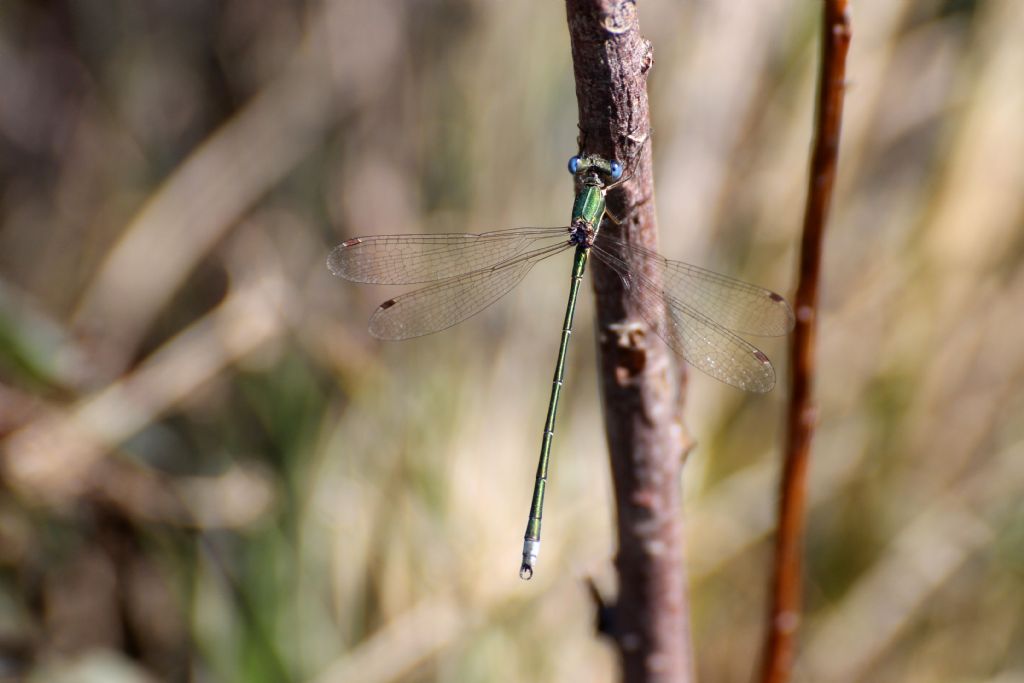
column 52, row 457
column 207, row 195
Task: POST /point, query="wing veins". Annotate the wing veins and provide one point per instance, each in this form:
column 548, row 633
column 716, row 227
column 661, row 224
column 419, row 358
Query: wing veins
column 714, row 350
column 417, row 259
column 733, row 304
column 455, row 299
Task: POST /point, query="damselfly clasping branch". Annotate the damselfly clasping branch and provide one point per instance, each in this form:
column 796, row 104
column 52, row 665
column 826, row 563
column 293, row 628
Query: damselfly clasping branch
column 697, row 312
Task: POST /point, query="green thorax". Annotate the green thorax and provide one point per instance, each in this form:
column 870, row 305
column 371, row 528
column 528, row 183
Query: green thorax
column 589, row 205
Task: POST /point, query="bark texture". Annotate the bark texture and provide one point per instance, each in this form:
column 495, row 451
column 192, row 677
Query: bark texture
column 641, row 397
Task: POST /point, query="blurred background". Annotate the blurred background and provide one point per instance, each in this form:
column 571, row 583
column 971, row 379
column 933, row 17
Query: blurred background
column 210, row 471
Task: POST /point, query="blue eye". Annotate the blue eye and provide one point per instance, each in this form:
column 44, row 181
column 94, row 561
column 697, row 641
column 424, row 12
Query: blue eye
column 574, row 163
column 616, row 170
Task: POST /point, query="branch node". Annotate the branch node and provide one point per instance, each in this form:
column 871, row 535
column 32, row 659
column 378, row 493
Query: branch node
column 648, row 61
column 621, row 19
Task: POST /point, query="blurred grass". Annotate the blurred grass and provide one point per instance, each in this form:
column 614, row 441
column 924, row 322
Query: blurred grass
column 210, row 472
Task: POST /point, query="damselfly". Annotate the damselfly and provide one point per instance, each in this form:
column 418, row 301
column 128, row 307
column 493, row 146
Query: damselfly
column 696, row 312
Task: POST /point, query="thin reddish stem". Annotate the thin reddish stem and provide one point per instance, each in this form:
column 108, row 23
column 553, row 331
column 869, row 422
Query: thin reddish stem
column 785, row 606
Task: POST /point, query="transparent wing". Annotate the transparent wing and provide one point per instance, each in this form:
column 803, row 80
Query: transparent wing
column 451, row 301
column 733, row 304
column 703, row 343
column 414, row 259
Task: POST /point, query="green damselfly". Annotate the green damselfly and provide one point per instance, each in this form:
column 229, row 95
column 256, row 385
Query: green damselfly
column 697, row 312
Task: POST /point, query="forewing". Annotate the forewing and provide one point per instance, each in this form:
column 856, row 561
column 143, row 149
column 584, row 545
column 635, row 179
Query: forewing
column 733, row 304
column 415, row 259
column 451, row 301
column 703, row 343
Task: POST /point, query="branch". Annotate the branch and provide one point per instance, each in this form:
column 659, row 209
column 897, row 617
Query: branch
column 646, row 439
column 784, row 614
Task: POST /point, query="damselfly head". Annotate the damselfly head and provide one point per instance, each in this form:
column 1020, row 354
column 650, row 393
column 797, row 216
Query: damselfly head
column 591, row 166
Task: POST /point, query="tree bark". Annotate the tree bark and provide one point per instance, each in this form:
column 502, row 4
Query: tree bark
column 641, row 397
